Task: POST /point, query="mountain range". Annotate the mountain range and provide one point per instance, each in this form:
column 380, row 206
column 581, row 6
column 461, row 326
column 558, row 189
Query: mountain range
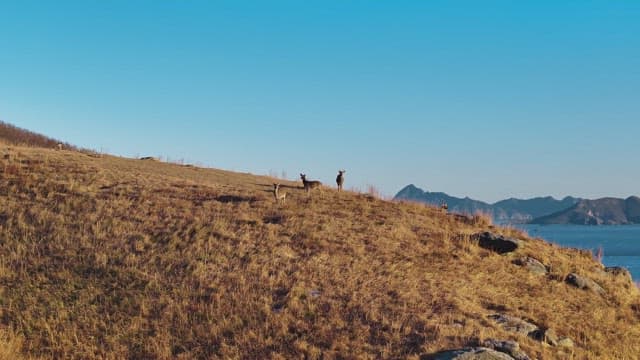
column 539, row 210
column 605, row 211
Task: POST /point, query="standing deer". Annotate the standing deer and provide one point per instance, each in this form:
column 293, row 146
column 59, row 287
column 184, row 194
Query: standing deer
column 340, row 179
column 309, row 184
column 280, row 196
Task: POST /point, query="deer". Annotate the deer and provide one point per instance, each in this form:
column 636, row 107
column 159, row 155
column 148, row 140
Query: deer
column 59, row 146
column 340, row 179
column 309, row 184
column 279, row 196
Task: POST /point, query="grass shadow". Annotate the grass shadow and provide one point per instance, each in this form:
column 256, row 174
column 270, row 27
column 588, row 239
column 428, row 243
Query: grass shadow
column 235, row 199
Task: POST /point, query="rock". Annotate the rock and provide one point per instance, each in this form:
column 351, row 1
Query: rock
column 520, row 326
column 514, row 324
column 531, row 264
column 497, row 243
column 566, row 342
column 479, row 353
column 547, row 336
column 509, row 347
column 550, row 337
column 582, row 282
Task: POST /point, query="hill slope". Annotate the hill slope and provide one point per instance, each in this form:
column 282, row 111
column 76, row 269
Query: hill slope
column 105, row 257
column 605, row 211
column 510, row 210
column 13, row 135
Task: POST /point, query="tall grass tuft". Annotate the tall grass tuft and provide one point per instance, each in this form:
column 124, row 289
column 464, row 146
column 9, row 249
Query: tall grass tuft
column 599, row 254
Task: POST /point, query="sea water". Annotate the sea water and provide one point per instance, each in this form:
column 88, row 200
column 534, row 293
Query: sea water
column 620, row 244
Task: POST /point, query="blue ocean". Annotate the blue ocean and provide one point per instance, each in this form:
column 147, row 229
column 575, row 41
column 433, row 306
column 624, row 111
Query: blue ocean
column 621, row 244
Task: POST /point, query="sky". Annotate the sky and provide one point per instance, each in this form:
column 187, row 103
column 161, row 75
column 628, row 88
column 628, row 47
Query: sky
column 486, row 99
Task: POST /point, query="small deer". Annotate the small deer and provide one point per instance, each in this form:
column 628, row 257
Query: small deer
column 444, row 206
column 60, row 146
column 340, row 179
column 279, row 196
column 309, row 184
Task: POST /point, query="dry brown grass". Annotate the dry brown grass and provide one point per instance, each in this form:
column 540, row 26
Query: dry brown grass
column 106, row 257
column 16, row 136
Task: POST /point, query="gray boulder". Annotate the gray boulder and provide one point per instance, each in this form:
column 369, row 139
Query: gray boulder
column 532, row 264
column 520, row 326
column 583, row 282
column 509, row 347
column 497, row 243
column 479, row 353
column 514, row 324
column 547, row 336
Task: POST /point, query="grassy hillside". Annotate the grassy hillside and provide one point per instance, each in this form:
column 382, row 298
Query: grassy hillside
column 10, row 134
column 105, row 257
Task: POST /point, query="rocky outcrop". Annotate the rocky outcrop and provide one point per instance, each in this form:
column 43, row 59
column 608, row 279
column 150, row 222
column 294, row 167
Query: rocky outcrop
column 509, row 347
column 478, row 353
column 532, row 264
column 520, row 326
column 547, row 336
column 514, row 324
column 497, row 243
column 583, row 282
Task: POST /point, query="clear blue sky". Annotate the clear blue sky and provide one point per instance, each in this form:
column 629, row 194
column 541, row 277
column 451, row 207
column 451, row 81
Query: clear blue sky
column 489, row 99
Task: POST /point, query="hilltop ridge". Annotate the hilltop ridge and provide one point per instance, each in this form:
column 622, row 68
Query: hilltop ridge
column 109, row 257
column 13, row 135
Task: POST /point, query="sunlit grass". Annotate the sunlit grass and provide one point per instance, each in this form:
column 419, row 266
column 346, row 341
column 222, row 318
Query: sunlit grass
column 106, row 257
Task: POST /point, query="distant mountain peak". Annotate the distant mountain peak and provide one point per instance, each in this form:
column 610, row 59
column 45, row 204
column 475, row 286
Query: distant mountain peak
column 408, row 192
column 411, row 187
